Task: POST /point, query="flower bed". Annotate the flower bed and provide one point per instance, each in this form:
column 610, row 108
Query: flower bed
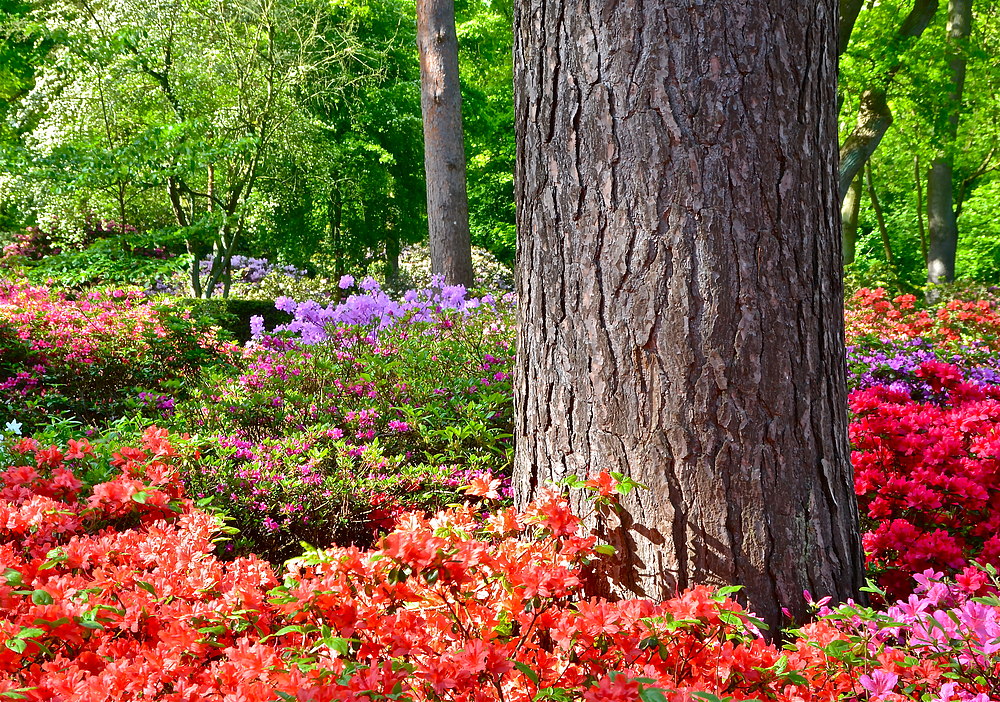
column 333, row 438
column 114, row 593
column 87, row 357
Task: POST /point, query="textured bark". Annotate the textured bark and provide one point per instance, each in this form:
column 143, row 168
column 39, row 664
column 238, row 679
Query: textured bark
column 942, row 223
column 849, row 220
column 444, row 148
column 679, row 280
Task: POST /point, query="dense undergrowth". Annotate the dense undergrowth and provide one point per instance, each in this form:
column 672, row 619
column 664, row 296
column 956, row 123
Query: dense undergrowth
column 127, row 548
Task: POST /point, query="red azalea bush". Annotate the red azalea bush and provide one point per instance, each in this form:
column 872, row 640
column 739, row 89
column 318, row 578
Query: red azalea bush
column 927, row 475
column 873, row 313
column 116, row 595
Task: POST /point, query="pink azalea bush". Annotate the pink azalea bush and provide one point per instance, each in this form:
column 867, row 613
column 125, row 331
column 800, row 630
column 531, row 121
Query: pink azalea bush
column 86, row 356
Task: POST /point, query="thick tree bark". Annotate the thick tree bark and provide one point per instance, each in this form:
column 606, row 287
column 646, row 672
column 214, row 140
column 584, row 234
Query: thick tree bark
column 942, row 223
column 444, row 148
column 849, row 211
column 679, row 280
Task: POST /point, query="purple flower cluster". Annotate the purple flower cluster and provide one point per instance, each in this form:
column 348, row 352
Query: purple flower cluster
column 373, row 307
column 894, row 363
column 164, row 404
column 253, row 270
column 246, row 270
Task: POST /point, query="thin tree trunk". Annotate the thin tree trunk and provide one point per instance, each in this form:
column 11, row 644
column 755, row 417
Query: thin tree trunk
column 680, row 301
column 849, row 11
column 942, row 224
column 849, row 220
column 879, row 217
column 874, row 115
column 392, row 257
column 335, row 215
column 874, row 120
column 444, row 147
column 918, row 179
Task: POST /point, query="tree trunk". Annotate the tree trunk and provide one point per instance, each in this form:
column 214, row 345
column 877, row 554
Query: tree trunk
column 392, row 257
column 942, row 224
column 849, row 220
column 874, row 120
column 874, row 115
column 917, row 178
column 679, row 279
column 879, row 217
column 849, row 11
column 444, row 148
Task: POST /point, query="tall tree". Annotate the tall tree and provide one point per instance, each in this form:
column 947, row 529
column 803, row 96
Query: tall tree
column 874, row 115
column 444, row 148
column 942, row 222
column 680, row 314
column 849, row 219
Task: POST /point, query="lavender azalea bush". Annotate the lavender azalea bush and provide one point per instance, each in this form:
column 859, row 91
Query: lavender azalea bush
column 371, row 306
column 354, row 412
column 252, row 279
column 894, row 363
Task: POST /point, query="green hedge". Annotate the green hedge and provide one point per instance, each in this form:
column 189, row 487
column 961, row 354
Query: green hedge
column 234, row 315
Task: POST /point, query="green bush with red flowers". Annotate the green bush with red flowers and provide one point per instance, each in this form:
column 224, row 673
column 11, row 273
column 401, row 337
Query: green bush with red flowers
column 114, row 592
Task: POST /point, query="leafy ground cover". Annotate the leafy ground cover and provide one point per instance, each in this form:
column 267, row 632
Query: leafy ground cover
column 113, row 592
column 124, row 582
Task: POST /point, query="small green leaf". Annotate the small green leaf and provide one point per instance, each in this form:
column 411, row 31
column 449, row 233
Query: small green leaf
column 41, row 598
column 12, row 577
column 527, row 671
column 652, row 694
column 339, row 644
column 30, row 633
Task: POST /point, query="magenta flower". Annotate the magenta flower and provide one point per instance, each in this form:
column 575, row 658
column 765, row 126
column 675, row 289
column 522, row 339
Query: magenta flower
column 879, row 684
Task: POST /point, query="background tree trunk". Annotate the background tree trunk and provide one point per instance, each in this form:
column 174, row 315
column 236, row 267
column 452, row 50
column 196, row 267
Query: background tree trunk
column 942, row 224
column 874, row 115
column 849, row 211
column 679, row 280
column 444, row 148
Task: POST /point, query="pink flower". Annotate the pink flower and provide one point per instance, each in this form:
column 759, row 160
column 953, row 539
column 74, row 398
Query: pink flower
column 879, row 684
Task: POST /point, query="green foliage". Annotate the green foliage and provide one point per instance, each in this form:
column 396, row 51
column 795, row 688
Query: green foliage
column 486, row 66
column 106, row 261
column 330, row 441
column 231, row 315
column 917, row 78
